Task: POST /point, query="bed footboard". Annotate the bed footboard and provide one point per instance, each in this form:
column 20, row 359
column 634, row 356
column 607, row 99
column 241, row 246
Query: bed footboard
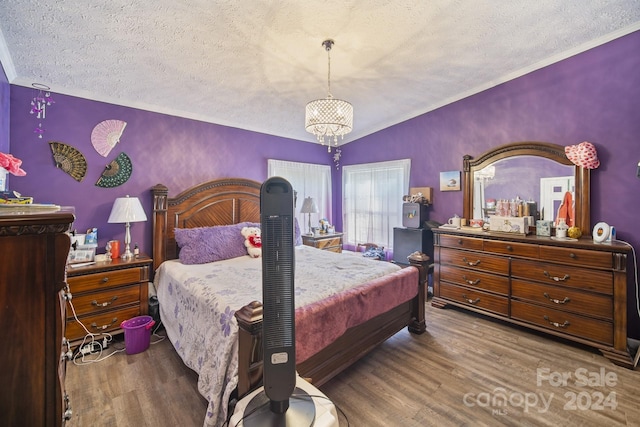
column 347, row 349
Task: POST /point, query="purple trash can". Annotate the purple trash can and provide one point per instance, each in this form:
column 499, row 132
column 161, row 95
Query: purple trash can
column 137, row 333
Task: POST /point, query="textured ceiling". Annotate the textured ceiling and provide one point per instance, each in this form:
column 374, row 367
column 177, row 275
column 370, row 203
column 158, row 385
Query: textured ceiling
column 254, row 64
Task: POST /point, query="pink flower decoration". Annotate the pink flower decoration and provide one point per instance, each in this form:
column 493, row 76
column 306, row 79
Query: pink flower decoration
column 11, row 164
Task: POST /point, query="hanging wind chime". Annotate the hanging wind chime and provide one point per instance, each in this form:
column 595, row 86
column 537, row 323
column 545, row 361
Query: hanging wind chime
column 41, row 100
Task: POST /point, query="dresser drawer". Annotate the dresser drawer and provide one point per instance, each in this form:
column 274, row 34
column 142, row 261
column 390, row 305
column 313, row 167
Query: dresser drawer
column 577, row 257
column 104, row 322
column 460, row 242
column 475, row 279
column 473, row 298
column 511, row 248
column 99, row 301
column 475, row 260
column 565, row 275
column 563, row 298
column 563, row 322
column 106, row 279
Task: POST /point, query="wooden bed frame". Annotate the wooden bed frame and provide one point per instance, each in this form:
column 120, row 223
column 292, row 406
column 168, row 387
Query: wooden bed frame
column 233, row 200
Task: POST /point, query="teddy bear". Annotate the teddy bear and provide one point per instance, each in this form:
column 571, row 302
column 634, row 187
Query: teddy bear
column 252, row 241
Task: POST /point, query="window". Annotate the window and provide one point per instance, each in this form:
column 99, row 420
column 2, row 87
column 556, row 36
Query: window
column 372, row 201
column 308, row 180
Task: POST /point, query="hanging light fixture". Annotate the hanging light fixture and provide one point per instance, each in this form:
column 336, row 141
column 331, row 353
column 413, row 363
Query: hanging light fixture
column 329, row 118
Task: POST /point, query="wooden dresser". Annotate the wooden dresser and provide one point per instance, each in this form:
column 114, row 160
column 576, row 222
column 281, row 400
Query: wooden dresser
column 328, row 242
column 34, row 249
column 107, row 293
column 573, row 289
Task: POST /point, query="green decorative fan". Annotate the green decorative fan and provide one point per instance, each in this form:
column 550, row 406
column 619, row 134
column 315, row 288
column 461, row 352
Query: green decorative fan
column 69, row 159
column 116, row 173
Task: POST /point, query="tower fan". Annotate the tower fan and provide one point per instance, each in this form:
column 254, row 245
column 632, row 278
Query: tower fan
column 274, row 406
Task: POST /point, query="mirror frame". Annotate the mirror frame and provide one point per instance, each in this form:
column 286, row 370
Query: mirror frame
column 555, row 152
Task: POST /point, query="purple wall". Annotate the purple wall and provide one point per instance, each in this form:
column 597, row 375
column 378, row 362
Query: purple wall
column 173, row 151
column 593, row 96
column 4, row 111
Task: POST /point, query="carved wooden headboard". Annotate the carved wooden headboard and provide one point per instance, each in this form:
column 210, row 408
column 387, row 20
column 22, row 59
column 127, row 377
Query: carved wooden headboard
column 219, row 202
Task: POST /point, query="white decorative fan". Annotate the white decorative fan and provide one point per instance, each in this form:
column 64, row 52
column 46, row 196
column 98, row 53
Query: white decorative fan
column 106, row 135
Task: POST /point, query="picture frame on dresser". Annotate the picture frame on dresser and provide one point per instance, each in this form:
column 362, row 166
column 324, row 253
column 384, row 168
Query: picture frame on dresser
column 573, row 289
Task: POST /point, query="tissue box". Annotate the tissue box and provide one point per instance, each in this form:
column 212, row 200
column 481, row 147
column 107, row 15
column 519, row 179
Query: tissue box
column 543, row 227
column 510, row 224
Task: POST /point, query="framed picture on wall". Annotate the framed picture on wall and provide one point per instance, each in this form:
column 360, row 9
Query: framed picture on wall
column 450, row 181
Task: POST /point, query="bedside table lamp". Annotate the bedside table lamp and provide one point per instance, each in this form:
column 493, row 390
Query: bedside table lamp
column 127, row 210
column 308, row 207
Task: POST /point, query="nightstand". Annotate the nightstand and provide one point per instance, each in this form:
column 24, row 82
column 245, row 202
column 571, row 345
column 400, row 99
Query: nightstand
column 327, row 242
column 107, row 293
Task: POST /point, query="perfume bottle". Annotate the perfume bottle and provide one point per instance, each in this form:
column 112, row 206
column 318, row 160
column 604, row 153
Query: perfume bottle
column 136, row 251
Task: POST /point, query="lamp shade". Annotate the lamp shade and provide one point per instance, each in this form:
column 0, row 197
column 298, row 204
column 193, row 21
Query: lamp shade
column 309, row 206
column 127, row 209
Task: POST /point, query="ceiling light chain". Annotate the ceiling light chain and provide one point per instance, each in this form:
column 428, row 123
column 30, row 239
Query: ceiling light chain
column 329, row 118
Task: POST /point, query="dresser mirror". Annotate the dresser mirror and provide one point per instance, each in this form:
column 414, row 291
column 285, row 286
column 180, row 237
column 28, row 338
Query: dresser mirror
column 533, row 171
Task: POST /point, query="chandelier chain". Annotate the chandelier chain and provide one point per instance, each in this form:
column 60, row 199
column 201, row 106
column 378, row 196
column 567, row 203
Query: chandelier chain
column 329, row 69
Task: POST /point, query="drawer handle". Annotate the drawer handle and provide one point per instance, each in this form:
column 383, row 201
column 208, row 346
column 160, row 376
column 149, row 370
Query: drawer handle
column 471, row 301
column 470, row 263
column 556, row 278
column 104, row 304
column 557, row 301
column 556, row 324
column 471, row 282
column 572, row 255
column 105, row 279
column 103, row 327
column 460, row 242
column 509, row 248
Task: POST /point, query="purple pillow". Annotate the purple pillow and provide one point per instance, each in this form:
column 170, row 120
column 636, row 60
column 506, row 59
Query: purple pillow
column 208, row 244
column 297, row 235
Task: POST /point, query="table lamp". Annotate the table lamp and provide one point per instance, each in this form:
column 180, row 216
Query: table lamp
column 308, row 207
column 127, row 210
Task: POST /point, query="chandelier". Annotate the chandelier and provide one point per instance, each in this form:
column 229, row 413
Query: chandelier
column 328, row 118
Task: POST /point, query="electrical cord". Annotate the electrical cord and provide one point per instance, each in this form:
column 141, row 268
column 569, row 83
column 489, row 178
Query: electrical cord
column 635, row 273
column 154, row 333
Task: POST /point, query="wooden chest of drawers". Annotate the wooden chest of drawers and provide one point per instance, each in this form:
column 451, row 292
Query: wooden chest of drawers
column 34, row 248
column 576, row 290
column 327, row 242
column 105, row 294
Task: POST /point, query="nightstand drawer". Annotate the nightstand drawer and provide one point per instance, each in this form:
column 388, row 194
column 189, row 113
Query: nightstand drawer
column 328, row 243
column 325, row 242
column 106, row 279
column 100, row 301
column 106, row 322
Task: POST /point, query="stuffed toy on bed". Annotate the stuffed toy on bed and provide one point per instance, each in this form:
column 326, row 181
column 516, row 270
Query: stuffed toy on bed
column 252, row 241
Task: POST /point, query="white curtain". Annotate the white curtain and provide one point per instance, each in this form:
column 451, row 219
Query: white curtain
column 372, row 201
column 308, row 180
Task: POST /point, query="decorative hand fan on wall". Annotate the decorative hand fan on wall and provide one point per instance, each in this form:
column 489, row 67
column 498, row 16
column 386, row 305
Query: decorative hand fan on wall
column 116, row 173
column 69, row 159
column 106, row 135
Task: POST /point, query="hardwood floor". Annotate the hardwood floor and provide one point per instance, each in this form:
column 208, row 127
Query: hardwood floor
column 465, row 370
